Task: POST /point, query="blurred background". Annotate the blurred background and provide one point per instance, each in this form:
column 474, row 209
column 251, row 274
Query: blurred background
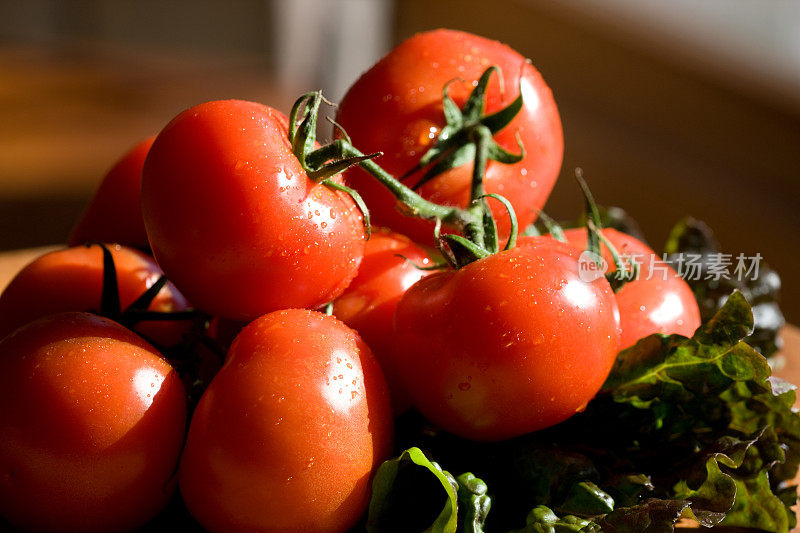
column 671, row 107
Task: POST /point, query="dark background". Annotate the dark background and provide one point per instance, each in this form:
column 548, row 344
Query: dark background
column 659, row 128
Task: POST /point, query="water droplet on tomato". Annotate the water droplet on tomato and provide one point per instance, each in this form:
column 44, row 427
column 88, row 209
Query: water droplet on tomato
column 464, row 386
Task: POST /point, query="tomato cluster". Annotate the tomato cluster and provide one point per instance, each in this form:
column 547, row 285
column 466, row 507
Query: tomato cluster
column 340, row 324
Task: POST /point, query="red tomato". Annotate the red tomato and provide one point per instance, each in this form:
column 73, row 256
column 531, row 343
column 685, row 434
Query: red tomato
column 92, row 422
column 223, row 331
column 659, row 301
column 234, row 220
column 396, row 108
column 115, row 212
column 368, row 304
column 289, row 431
column 72, row 280
column 508, row 344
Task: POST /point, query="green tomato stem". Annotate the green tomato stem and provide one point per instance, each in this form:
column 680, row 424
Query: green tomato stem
column 475, row 231
column 413, row 204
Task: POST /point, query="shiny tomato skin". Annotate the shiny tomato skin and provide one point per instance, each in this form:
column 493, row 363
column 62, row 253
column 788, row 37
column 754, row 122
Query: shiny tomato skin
column 396, row 108
column 92, row 421
column 289, row 431
column 390, row 266
column 234, row 220
column 71, row 279
column 659, row 301
column 114, row 213
column 506, row 345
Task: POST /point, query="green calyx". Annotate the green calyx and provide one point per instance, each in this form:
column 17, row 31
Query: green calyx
column 323, row 163
column 468, row 136
column 137, row 311
column 459, row 141
column 552, row 227
column 626, row 268
column 184, row 354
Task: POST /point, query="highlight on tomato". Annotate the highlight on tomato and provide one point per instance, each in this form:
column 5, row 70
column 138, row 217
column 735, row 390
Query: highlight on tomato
column 288, row 433
column 235, row 220
column 404, row 89
column 92, row 420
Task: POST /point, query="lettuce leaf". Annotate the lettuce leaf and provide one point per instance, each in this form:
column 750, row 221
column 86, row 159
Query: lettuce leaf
column 412, row 493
